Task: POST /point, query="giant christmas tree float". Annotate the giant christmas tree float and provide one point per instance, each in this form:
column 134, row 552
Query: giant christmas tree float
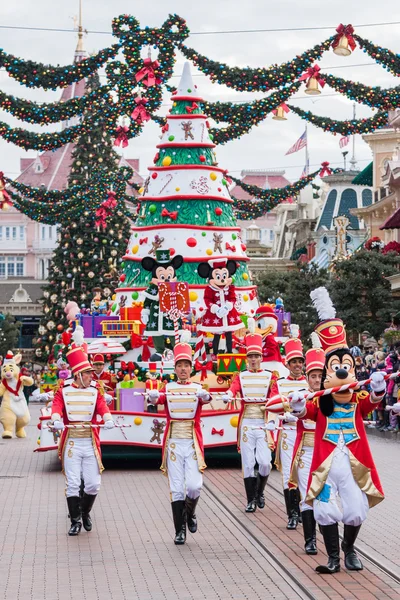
column 186, row 208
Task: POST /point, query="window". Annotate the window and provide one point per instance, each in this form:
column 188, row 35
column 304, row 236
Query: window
column 50, row 232
column 271, row 235
column 7, row 233
column 327, row 213
column 14, row 233
column 1, row 232
column 2, row 267
column 348, row 201
column 12, row 266
column 22, row 233
column 366, row 197
column 43, row 232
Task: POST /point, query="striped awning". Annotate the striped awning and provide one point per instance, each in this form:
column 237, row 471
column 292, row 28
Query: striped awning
column 322, row 260
column 392, row 222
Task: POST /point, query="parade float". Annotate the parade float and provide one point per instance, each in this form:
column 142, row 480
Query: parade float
column 185, row 267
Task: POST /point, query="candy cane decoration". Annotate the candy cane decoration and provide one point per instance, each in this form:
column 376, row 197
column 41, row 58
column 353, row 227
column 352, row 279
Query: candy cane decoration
column 169, row 178
column 203, row 129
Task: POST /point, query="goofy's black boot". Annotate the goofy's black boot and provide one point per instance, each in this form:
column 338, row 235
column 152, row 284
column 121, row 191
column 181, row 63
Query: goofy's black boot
column 351, row 560
column 331, row 538
column 261, row 483
column 191, row 518
column 250, row 483
column 293, row 510
column 74, row 509
column 309, row 532
column 179, row 515
column 87, row 502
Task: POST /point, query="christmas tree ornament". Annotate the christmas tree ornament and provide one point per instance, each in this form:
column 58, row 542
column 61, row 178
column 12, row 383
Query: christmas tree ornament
column 280, row 113
column 344, row 43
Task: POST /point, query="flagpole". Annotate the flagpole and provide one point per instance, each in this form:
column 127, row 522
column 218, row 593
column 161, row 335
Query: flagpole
column 353, row 162
column 307, row 156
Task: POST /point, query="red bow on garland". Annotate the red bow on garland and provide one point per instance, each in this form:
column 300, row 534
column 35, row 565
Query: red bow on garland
column 325, row 169
column 122, row 138
column 165, row 128
column 217, row 432
column 140, row 114
column 147, row 73
column 284, row 106
column 130, row 367
column 105, row 210
column 203, row 368
column 172, row 215
column 228, row 179
column 137, row 341
column 143, row 240
column 229, row 247
column 347, row 31
column 313, row 72
column 190, row 109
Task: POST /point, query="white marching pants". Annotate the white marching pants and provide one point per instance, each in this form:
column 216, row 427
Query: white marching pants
column 341, row 483
column 254, row 447
column 303, row 472
column 79, row 459
column 287, row 440
column 183, row 470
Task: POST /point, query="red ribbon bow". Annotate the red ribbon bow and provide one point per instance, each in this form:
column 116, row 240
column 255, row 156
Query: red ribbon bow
column 284, row 106
column 217, row 432
column 137, row 341
column 147, row 73
column 105, row 210
column 325, row 169
column 143, row 240
column 165, row 128
column 172, row 215
column 203, row 368
column 311, row 72
column 347, row 31
column 190, row 109
column 122, row 138
column 140, row 113
column 130, row 367
column 229, row 247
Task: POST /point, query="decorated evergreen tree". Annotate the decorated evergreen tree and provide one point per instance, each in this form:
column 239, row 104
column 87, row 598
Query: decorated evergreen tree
column 9, row 330
column 186, row 207
column 89, row 250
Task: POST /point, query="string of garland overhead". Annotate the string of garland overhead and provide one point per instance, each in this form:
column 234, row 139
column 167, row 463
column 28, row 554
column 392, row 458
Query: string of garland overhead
column 256, row 79
column 383, row 56
column 343, row 128
column 375, row 96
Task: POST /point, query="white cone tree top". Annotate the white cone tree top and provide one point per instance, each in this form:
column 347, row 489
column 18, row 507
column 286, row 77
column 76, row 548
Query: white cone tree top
column 186, row 85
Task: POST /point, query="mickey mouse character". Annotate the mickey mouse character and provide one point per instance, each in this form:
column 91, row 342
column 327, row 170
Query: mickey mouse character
column 342, row 464
column 158, row 325
column 220, row 298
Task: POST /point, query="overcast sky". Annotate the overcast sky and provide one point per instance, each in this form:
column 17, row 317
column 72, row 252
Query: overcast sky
column 266, row 145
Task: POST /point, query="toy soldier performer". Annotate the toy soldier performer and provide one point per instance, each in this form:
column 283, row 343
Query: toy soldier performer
column 304, row 447
column 253, row 439
column 183, row 453
column 78, row 402
column 104, row 377
column 287, row 436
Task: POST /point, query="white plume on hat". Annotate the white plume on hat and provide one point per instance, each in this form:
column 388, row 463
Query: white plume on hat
column 323, row 304
column 78, row 335
column 251, row 325
column 315, row 341
column 185, row 336
column 294, row 330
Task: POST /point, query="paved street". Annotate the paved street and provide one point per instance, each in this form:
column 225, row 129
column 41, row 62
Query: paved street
column 130, row 554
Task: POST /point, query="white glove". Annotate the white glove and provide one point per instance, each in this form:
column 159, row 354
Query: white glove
column 270, row 426
column 222, row 312
column 226, row 398
column 58, row 425
column 388, row 407
column 109, row 424
column 214, row 308
column 203, row 395
column 153, row 396
column 144, row 315
column 378, row 383
column 396, row 408
column 297, row 401
column 108, row 398
column 289, row 418
column 229, row 306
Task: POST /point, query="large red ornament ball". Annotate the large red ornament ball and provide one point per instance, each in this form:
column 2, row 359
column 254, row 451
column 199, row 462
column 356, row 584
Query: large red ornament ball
column 60, row 327
column 172, row 251
column 202, row 158
column 154, row 175
column 218, row 211
column 122, row 277
column 191, row 242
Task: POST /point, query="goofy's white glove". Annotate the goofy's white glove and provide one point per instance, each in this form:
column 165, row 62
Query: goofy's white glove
column 203, row 395
column 58, row 425
column 109, row 424
column 297, row 401
column 153, row 396
column 270, row 426
column 378, row 383
column 396, row 408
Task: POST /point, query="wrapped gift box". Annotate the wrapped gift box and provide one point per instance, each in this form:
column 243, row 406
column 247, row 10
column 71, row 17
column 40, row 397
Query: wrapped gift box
column 130, row 399
column 92, row 324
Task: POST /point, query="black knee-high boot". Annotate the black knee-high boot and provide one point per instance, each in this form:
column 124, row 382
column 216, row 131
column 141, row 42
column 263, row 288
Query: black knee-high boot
column 191, row 518
column 293, row 510
column 86, row 506
column 250, row 483
column 309, row 532
column 216, row 343
column 351, row 560
column 331, row 538
column 74, row 508
column 261, row 483
column 179, row 515
column 228, row 338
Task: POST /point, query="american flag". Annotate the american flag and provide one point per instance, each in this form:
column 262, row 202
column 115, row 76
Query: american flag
column 301, row 143
column 344, row 141
column 304, row 172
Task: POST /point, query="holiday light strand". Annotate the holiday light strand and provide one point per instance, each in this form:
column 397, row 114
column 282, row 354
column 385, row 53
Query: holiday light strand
column 375, row 96
column 343, row 128
column 383, row 56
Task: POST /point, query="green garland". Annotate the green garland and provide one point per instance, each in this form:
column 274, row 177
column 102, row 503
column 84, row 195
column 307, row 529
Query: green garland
column 383, row 56
column 253, row 79
column 35, row 75
column 344, row 128
column 376, row 97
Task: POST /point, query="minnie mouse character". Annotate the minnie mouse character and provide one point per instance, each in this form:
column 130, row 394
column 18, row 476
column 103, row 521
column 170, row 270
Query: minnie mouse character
column 220, row 298
column 158, row 325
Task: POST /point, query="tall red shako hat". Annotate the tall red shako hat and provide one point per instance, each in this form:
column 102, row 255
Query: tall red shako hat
column 78, row 360
column 315, row 357
column 253, row 340
column 183, row 350
column 293, row 349
column 331, row 330
column 98, row 359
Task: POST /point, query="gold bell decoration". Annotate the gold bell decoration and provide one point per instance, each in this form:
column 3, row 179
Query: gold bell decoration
column 312, row 87
column 280, row 113
column 344, row 43
column 314, row 80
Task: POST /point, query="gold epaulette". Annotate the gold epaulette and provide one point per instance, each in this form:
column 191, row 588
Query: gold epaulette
column 315, row 401
column 361, row 395
column 100, row 386
column 275, row 374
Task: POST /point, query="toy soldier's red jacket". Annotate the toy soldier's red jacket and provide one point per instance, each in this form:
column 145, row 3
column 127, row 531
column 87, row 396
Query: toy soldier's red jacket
column 210, row 321
column 193, row 419
column 107, row 379
column 58, row 411
column 236, row 390
column 353, row 429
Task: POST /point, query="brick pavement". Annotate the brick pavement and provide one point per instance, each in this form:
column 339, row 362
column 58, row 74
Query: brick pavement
column 130, row 553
